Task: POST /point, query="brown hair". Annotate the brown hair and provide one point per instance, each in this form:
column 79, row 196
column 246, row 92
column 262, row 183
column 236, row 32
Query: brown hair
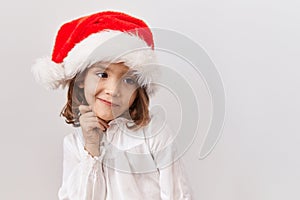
column 138, row 111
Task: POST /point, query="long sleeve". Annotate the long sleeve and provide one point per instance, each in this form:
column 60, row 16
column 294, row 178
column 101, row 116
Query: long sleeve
column 83, row 178
column 173, row 181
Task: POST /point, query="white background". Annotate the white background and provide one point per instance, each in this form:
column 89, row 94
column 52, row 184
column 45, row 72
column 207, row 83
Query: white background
column 255, row 46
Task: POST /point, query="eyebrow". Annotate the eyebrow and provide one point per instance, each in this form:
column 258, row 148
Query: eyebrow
column 99, row 66
column 104, row 67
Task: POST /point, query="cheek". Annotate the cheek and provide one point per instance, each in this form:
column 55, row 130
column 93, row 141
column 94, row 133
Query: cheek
column 90, row 87
column 127, row 98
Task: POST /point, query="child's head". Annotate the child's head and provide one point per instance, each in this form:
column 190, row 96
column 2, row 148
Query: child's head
column 112, row 90
column 107, row 61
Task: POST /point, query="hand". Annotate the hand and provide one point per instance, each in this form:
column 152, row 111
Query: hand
column 92, row 129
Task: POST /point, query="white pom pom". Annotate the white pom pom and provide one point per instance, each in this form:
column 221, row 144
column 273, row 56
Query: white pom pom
column 48, row 73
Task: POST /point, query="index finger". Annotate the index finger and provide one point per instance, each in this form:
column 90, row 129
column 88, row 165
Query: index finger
column 84, row 109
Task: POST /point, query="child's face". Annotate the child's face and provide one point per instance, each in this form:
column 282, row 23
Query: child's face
column 110, row 90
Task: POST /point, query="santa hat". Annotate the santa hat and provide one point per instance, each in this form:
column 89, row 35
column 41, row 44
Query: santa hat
column 106, row 36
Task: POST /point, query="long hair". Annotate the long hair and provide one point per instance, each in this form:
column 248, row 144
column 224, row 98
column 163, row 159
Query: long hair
column 138, row 111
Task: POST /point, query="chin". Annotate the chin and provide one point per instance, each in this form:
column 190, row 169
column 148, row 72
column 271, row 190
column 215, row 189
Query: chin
column 105, row 117
column 106, row 114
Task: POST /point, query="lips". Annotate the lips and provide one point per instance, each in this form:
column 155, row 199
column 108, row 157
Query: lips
column 109, row 103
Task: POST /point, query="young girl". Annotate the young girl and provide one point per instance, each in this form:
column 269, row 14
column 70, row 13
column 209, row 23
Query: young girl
column 119, row 150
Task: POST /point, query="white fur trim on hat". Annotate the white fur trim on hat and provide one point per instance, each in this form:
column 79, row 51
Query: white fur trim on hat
column 49, row 74
column 106, row 46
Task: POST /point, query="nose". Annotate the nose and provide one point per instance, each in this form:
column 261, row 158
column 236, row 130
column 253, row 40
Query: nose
column 112, row 87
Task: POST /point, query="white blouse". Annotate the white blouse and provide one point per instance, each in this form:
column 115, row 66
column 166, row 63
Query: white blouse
column 132, row 165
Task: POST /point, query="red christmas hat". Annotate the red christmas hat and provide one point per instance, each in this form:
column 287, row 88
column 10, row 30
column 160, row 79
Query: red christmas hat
column 106, row 36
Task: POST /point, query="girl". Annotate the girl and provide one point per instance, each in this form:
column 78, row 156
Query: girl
column 119, row 150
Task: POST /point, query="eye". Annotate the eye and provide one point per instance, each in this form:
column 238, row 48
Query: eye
column 129, row 80
column 102, row 74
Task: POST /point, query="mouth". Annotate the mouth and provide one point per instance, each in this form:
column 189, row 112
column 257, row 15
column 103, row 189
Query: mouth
column 107, row 102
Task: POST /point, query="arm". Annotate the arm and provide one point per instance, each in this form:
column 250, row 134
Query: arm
column 83, row 178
